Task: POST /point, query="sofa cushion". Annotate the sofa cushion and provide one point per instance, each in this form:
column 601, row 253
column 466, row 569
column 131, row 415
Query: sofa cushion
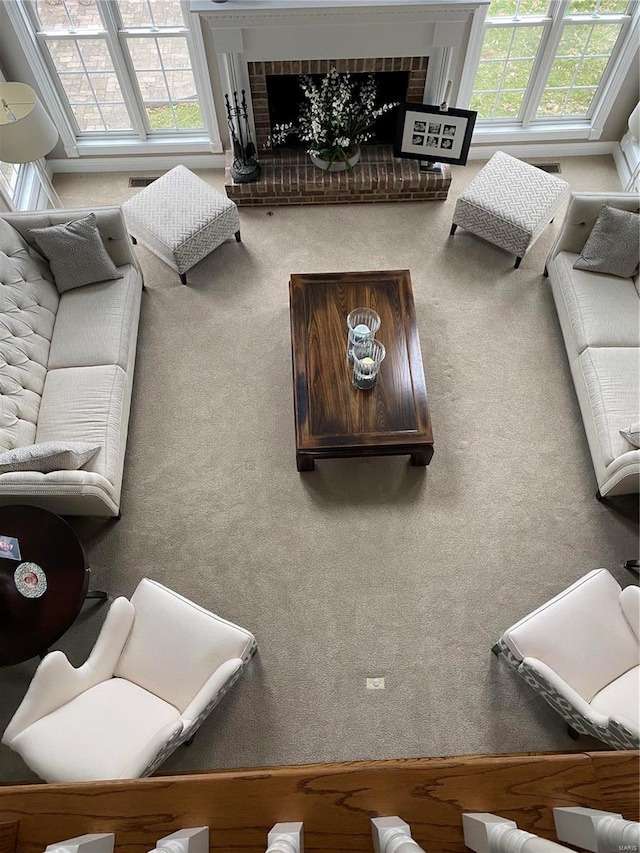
column 613, row 246
column 96, row 324
column 47, row 457
column 85, row 404
column 604, row 310
column 621, row 698
column 97, row 735
column 28, row 305
column 612, row 379
column 76, row 253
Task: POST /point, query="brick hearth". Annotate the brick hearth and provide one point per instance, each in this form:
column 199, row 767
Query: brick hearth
column 289, row 177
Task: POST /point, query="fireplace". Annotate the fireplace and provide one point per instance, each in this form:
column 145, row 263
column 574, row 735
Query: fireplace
column 431, row 41
column 276, row 95
column 285, row 98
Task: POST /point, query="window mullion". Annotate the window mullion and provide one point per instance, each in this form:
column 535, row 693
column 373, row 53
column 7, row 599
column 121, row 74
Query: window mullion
column 547, row 54
column 123, row 71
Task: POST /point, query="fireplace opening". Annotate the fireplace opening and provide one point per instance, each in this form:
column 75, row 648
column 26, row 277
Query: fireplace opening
column 285, row 99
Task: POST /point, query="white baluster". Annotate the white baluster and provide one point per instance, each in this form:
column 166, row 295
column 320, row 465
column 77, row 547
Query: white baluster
column 489, row 833
column 393, row 835
column 102, row 842
column 286, row 838
column 601, row 832
column 194, row 840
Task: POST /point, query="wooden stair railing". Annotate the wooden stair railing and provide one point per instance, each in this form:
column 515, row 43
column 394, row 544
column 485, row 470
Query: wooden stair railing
column 8, row 836
column 336, row 802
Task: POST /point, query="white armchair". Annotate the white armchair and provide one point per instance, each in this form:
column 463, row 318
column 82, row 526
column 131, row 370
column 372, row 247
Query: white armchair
column 159, row 666
column 581, row 653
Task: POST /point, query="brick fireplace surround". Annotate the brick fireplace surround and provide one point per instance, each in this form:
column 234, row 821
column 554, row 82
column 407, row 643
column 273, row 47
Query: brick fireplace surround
column 288, row 176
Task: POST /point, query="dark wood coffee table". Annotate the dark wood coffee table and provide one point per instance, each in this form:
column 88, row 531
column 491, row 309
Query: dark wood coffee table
column 28, row 626
column 332, row 418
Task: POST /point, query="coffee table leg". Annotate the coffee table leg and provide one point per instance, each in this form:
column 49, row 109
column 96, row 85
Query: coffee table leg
column 304, row 462
column 96, row 593
column 422, row 458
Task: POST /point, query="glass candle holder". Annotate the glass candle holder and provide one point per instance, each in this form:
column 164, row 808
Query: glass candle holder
column 367, row 358
column 363, row 323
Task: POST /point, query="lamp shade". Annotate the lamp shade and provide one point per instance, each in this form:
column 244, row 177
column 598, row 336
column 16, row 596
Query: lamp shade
column 26, row 130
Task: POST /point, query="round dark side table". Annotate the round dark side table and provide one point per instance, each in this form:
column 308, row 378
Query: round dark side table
column 53, row 591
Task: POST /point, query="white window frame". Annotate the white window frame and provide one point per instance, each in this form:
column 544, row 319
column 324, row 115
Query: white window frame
column 528, row 127
column 77, row 144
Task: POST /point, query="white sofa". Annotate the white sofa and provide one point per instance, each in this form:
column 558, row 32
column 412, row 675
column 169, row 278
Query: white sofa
column 66, row 364
column 600, row 320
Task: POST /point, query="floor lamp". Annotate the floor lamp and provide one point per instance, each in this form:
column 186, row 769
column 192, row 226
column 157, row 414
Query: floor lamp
column 26, row 132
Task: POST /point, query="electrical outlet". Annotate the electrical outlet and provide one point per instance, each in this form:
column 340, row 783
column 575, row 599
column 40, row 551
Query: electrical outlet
column 375, row 683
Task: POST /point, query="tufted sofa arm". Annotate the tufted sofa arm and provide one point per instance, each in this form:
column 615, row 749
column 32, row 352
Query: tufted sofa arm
column 109, row 220
column 581, row 215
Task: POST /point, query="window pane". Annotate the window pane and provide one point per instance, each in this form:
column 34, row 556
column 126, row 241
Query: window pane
column 488, row 76
column 152, row 86
column 86, row 91
column 601, row 7
column 9, row 173
column 509, row 104
column 181, row 117
column 174, row 52
column 562, row 72
column 504, row 72
column 95, row 54
column 181, row 86
column 521, row 8
column 116, row 117
column 497, row 42
column 579, row 101
column 144, row 54
column 167, row 13
column 159, row 13
column 590, row 70
column 581, row 60
column 168, row 93
column 68, row 14
column 88, row 117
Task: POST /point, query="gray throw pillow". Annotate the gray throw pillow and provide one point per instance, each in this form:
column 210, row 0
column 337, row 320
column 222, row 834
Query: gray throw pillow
column 76, row 253
column 613, row 246
column 632, row 434
column 48, row 456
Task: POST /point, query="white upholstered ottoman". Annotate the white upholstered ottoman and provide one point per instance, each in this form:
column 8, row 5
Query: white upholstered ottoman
column 181, row 219
column 509, row 203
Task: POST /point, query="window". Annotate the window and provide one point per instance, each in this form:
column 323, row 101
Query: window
column 10, row 176
column 121, row 67
column 547, row 60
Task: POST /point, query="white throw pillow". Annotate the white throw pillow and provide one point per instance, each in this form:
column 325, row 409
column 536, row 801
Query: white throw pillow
column 48, row 456
column 632, row 434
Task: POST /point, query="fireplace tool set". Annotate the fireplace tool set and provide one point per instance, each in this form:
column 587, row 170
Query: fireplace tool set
column 245, row 167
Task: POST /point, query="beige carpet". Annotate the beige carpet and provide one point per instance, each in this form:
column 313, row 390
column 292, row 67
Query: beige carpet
column 364, row 567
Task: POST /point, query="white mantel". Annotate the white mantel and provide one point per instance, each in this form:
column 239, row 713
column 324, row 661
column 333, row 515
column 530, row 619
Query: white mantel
column 449, row 33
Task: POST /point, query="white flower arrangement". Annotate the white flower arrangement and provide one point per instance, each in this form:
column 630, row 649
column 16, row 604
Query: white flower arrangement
column 336, row 117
